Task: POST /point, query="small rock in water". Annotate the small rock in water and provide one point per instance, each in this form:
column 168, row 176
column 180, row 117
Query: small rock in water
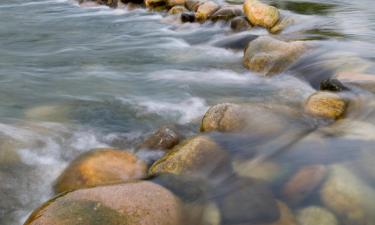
column 239, row 24
column 198, row 156
column 281, row 25
column 155, row 3
column 326, row 105
column 163, row 139
column 178, row 9
column 205, row 10
column 260, row 14
column 172, row 3
column 348, row 196
column 332, row 85
column 192, row 5
column 269, row 56
column 227, row 12
column 314, row 215
column 304, row 183
column 188, row 17
column 140, row 203
column 100, row 167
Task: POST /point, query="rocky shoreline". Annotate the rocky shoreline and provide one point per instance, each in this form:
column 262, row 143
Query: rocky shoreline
column 184, row 185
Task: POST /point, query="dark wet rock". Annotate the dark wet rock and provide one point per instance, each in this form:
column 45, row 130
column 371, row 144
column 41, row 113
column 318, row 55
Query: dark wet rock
column 260, row 14
column 281, row 25
column 313, row 215
column 142, row 203
column 236, row 41
column 101, row 167
column 199, row 156
column 269, row 56
column 350, row 198
column 332, row 85
column 132, row 1
column 246, row 201
column 205, row 10
column 227, row 12
column 302, row 184
column 326, row 105
column 163, row 139
column 239, row 24
column 188, row 17
column 192, row 5
column 178, row 9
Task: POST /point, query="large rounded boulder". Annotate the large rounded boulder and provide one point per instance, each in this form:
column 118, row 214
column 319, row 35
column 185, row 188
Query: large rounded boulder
column 101, row 167
column 141, row 203
column 261, row 14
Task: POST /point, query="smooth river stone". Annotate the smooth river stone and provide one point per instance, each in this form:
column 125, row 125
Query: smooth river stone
column 314, row 215
column 260, row 14
column 326, row 105
column 164, row 138
column 101, row 167
column 141, row 203
column 205, row 10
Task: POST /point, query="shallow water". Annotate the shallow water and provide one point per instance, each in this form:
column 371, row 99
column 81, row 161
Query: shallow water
column 74, row 78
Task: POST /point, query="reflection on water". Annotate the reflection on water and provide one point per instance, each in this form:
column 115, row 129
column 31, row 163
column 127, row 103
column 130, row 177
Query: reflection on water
column 73, row 78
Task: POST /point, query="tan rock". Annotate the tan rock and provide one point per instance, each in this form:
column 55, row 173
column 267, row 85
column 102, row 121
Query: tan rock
column 304, row 183
column 101, row 167
column 192, row 5
column 198, row 156
column 172, row 3
column 269, row 56
column 348, row 197
column 250, row 118
column 281, row 25
column 326, row 105
column 260, row 14
column 178, row 9
column 227, row 12
column 142, row 203
column 268, row 171
column 205, row 10
column 313, row 215
column 155, row 4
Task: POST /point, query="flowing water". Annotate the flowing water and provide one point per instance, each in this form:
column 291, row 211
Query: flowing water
column 74, row 78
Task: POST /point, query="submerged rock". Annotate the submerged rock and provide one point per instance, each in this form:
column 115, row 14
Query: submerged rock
column 281, row 25
column 110, row 3
column 205, row 10
column 100, row 167
column 286, row 215
column 239, row 24
column 163, row 139
column 192, row 5
column 246, row 201
column 267, row 171
column 269, row 56
column 314, row 215
column 304, row 183
column 172, row 3
column 252, row 118
column 349, row 197
column 178, row 9
column 236, row 41
column 142, row 203
column 326, row 105
column 261, row 14
column 227, row 12
column 197, row 156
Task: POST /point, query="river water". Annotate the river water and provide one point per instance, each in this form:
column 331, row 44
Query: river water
column 74, row 78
